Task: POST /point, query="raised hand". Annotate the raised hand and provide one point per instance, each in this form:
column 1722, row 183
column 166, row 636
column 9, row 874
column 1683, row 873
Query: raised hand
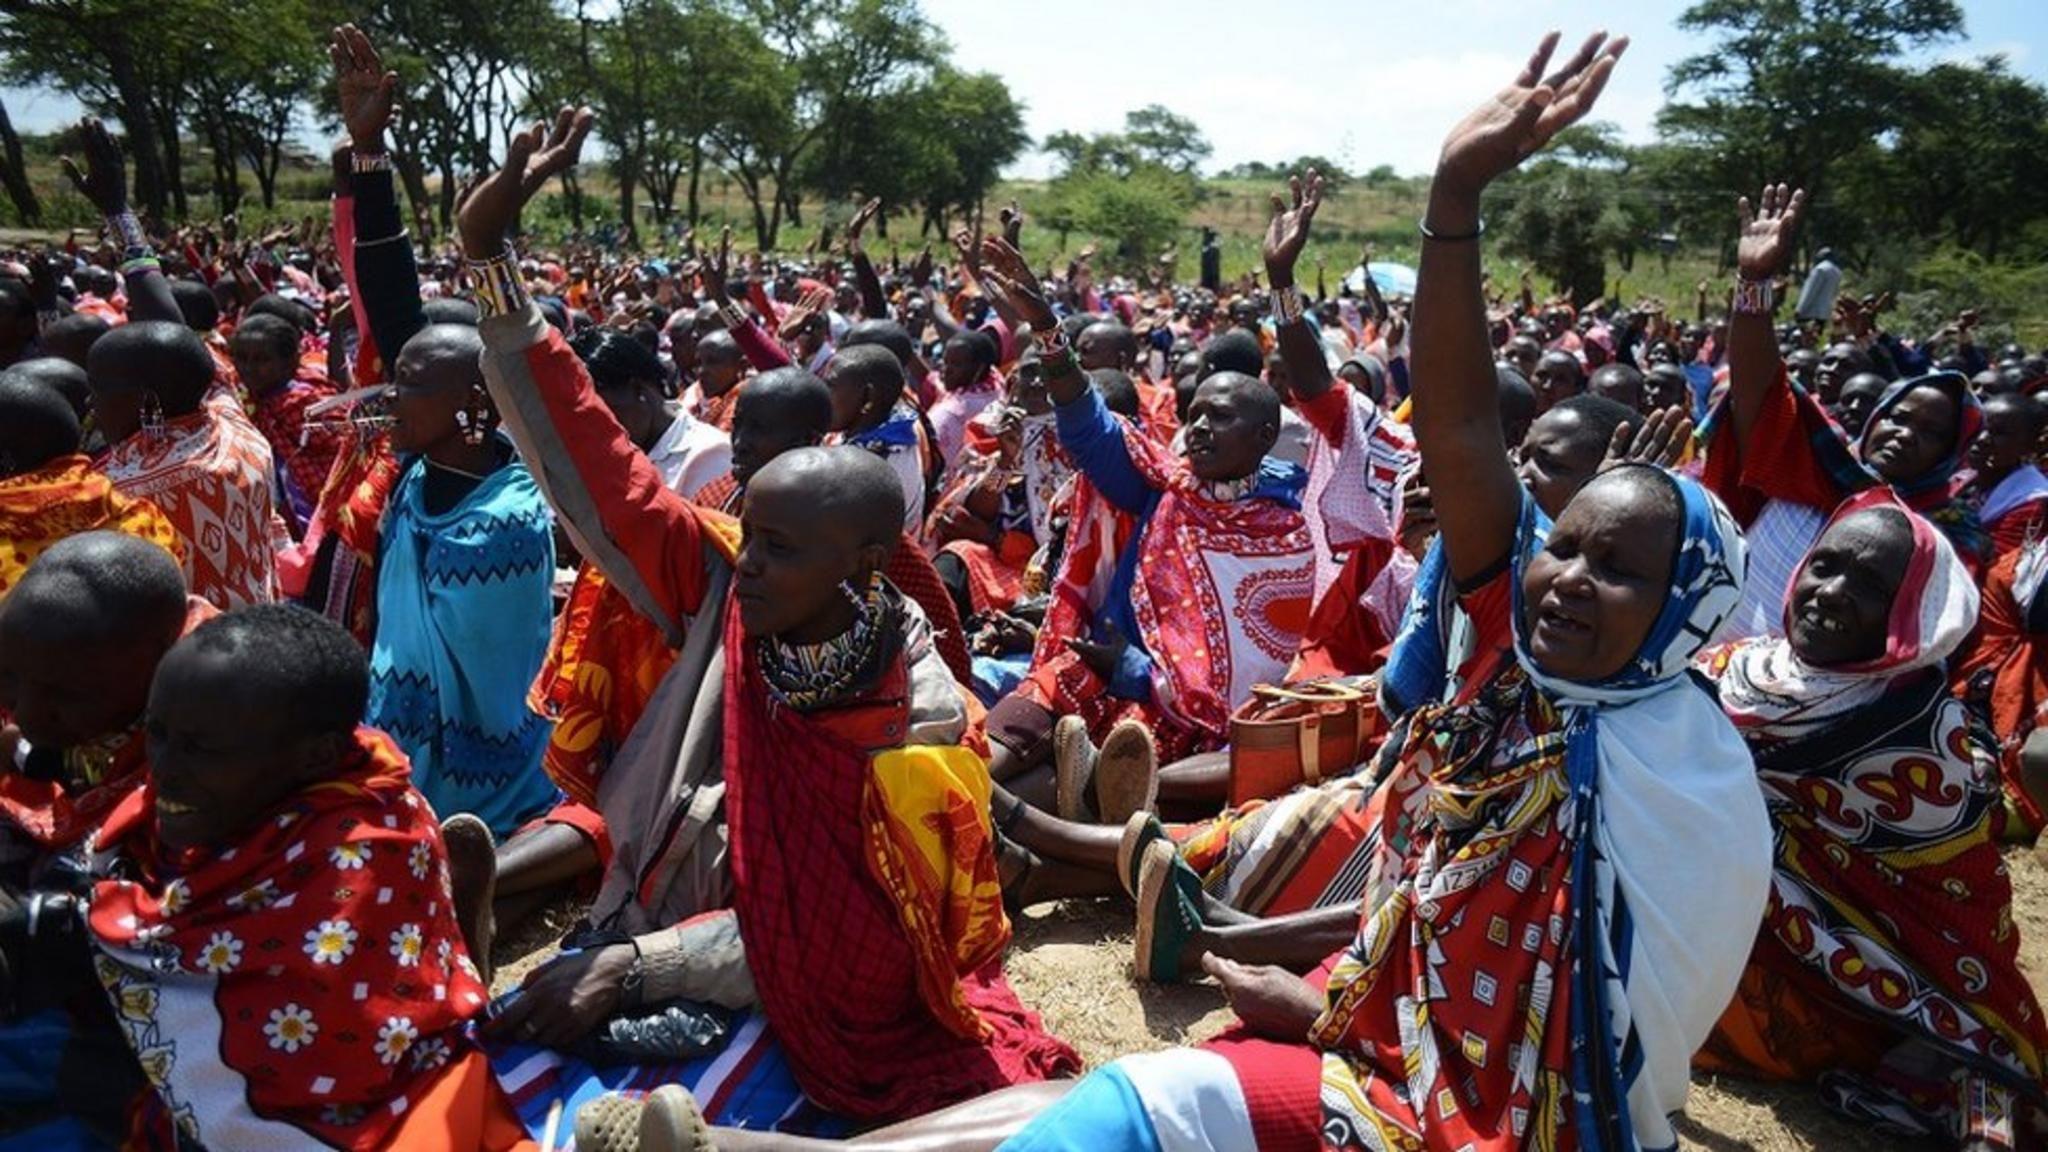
column 105, row 179
column 1288, row 232
column 807, row 306
column 1660, row 440
column 1005, row 275
column 1766, row 242
column 1012, row 220
column 717, row 268
column 867, row 212
column 368, row 92
column 1522, row 117
column 535, row 156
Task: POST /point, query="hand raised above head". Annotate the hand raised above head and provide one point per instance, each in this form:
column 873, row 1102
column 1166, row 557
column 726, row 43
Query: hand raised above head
column 1522, row 117
column 534, row 157
column 368, row 92
column 1767, row 231
column 104, row 180
column 1659, row 438
column 1012, row 220
column 1288, row 232
column 1005, row 276
column 861, row 218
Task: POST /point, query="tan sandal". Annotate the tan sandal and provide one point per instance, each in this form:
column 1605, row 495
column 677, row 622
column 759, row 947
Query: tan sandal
column 1126, row 773
column 1073, row 762
column 672, row 1122
column 610, row 1123
column 473, row 883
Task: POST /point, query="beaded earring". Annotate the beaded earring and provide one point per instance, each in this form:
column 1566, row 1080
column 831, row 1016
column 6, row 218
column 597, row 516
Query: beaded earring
column 475, row 418
column 152, row 415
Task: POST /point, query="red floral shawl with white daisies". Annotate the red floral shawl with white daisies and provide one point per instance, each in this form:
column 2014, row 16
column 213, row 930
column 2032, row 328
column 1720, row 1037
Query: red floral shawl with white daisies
column 306, row 987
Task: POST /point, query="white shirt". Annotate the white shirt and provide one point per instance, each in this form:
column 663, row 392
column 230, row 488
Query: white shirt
column 690, row 455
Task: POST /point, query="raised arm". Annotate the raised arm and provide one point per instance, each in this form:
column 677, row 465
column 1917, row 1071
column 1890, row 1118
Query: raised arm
column 1457, row 426
column 646, row 539
column 1285, row 237
column 105, row 182
column 387, row 277
column 1754, row 367
column 873, row 301
column 760, row 349
column 1091, row 437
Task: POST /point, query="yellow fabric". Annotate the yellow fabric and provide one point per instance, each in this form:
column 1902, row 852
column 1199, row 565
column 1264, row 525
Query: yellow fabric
column 62, row 499
column 930, row 845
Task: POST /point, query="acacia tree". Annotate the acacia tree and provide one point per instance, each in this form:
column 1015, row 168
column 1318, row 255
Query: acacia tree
column 464, row 74
column 1792, row 88
column 14, row 172
column 94, row 51
column 835, row 60
column 1133, row 188
column 938, row 147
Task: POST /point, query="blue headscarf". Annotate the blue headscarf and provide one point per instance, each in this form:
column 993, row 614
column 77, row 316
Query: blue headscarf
column 1706, row 587
column 1648, row 739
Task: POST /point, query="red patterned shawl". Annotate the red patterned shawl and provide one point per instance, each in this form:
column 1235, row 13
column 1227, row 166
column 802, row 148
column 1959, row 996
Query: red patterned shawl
column 210, row 473
column 308, row 981
column 1221, row 595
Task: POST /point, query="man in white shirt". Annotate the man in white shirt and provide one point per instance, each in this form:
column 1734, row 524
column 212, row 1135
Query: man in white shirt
column 689, row 452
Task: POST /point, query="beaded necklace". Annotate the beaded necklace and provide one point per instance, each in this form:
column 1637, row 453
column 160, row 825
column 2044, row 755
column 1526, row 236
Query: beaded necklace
column 1228, row 491
column 808, row 676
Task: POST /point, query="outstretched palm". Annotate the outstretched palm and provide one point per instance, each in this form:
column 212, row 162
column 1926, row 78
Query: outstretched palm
column 1526, row 114
column 533, row 158
column 1005, row 275
column 1767, row 231
column 368, row 93
column 1288, row 232
column 104, row 180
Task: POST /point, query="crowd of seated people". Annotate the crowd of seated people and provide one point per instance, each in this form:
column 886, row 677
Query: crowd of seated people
column 797, row 625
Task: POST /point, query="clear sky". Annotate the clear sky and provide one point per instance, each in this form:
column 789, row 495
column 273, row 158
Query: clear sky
column 1362, row 84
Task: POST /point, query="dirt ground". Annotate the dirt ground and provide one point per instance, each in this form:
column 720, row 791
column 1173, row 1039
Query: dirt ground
column 1071, row 962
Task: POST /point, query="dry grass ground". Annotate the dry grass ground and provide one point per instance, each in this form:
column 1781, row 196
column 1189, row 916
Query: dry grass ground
column 1071, row 962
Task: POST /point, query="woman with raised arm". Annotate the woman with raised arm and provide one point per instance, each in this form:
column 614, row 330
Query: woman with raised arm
column 1782, row 465
column 1538, row 955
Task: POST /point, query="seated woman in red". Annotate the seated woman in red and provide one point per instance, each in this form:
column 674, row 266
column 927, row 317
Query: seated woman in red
column 275, row 933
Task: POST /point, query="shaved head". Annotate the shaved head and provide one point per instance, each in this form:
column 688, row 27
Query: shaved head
column 72, row 337
column 788, row 398
column 37, row 424
column 66, row 378
column 718, row 344
column 156, row 356
column 1263, row 401
column 848, row 487
column 81, row 635
column 94, row 588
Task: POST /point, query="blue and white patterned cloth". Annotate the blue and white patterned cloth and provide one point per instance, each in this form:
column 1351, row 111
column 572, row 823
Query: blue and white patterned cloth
column 464, row 607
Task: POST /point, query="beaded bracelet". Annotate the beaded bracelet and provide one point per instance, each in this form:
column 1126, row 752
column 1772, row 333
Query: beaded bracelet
column 1055, row 353
column 129, row 229
column 1287, row 305
column 363, row 163
column 496, row 282
column 1754, row 298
